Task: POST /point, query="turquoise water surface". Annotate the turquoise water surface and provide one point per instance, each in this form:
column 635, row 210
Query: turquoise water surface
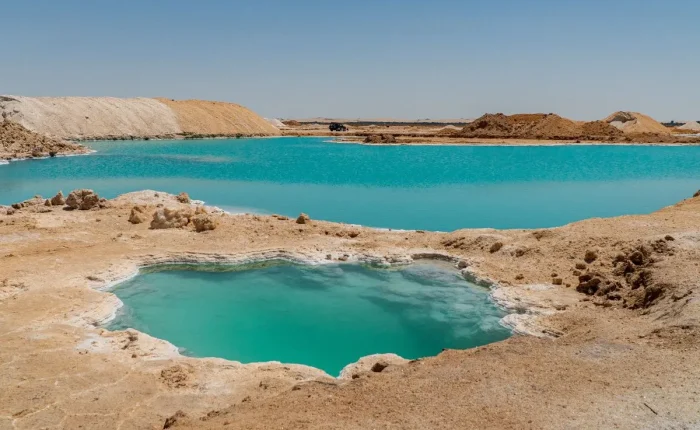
column 405, row 187
column 323, row 316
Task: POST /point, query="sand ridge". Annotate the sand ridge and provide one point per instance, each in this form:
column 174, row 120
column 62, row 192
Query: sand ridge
column 82, row 118
column 624, row 357
column 635, row 122
column 218, row 118
column 90, row 117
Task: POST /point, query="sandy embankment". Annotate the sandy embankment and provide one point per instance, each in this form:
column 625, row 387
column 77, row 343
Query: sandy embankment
column 614, row 302
column 500, row 129
column 82, row 118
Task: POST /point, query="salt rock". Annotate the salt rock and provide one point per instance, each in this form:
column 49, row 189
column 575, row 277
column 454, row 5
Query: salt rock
column 83, row 199
column 183, row 198
column 34, row 201
column 138, row 215
column 203, row 222
column 303, row 219
column 171, row 218
column 58, row 199
column 496, row 247
column 371, row 363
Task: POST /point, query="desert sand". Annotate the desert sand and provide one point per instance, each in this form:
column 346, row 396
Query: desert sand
column 608, row 313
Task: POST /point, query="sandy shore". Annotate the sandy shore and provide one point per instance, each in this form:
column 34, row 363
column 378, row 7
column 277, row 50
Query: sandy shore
column 609, row 306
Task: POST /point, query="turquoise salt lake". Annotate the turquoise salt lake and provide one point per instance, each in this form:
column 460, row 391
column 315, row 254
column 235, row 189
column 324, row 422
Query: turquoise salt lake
column 329, row 316
column 403, row 187
column 324, row 316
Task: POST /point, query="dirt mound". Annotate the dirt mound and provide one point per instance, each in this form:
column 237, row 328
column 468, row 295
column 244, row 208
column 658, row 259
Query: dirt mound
column 635, row 122
column 201, row 117
column 537, row 126
column 90, row 117
column 690, row 125
column 275, row 122
column 380, row 138
column 18, row 142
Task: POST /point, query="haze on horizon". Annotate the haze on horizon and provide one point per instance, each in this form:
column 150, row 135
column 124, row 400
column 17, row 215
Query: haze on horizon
column 400, row 59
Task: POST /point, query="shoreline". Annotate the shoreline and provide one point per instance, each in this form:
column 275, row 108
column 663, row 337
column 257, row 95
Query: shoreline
column 77, row 154
column 504, row 142
column 85, row 253
column 505, row 302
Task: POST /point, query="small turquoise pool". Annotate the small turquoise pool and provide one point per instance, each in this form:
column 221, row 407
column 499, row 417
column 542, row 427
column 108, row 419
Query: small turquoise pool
column 323, row 316
column 404, row 187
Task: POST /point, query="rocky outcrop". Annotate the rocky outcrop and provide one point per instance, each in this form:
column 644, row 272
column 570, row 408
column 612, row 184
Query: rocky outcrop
column 183, row 198
column 138, row 215
column 58, row 199
column 204, row 222
column 164, row 218
column 83, row 200
column 631, row 281
column 380, row 138
column 18, row 142
column 303, row 219
column 34, row 201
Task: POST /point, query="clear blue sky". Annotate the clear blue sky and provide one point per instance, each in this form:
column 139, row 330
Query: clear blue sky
column 395, row 58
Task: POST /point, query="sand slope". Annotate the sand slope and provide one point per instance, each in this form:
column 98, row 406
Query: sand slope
column 690, row 125
column 209, row 117
column 635, row 122
column 90, row 117
column 111, row 117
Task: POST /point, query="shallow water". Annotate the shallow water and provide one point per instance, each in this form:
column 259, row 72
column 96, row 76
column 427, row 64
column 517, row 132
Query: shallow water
column 404, row 187
column 323, row 316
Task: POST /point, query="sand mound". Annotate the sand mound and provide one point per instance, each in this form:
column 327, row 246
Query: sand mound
column 635, row 122
column 18, row 142
column 219, row 118
column 90, row 117
column 690, row 125
column 275, row 122
column 537, row 126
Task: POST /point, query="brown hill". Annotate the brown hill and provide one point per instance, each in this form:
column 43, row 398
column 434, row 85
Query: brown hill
column 218, row 118
column 635, row 122
column 538, row 126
